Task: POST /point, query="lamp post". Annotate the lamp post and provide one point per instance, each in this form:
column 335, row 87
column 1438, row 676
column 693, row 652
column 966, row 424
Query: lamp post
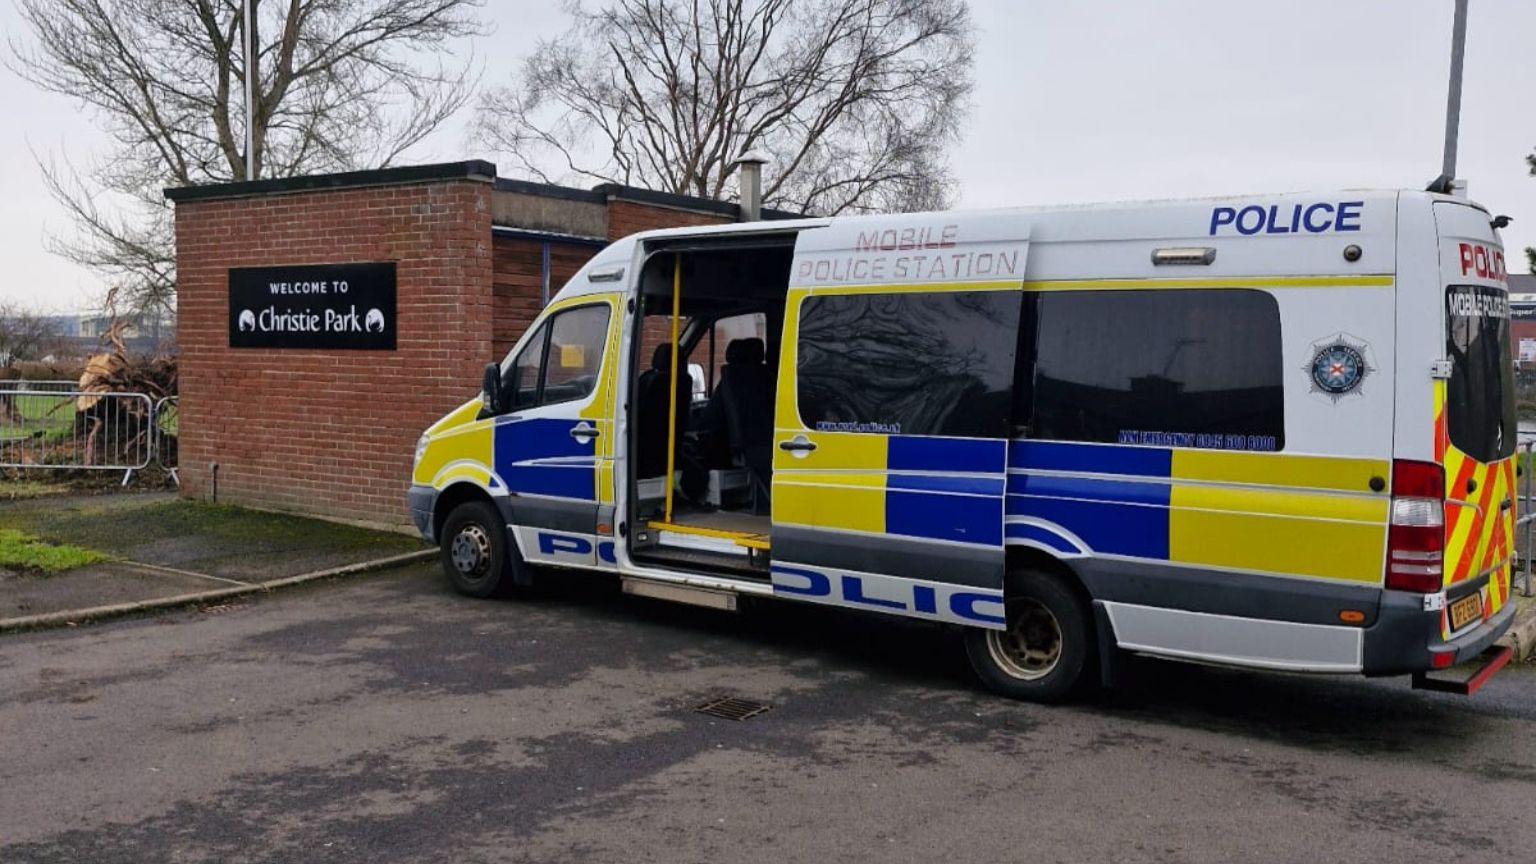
column 1453, row 96
column 248, row 11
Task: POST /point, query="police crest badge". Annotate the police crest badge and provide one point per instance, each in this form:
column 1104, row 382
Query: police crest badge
column 1339, row 366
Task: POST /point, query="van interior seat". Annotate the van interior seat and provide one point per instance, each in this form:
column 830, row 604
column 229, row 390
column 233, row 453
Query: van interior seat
column 746, row 393
column 654, row 392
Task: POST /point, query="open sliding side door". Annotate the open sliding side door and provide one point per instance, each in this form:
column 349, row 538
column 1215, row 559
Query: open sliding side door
column 893, row 414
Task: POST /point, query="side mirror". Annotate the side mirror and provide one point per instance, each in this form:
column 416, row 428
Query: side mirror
column 490, row 389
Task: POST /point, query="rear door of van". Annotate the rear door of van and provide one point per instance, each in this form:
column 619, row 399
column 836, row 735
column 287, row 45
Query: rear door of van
column 1475, row 423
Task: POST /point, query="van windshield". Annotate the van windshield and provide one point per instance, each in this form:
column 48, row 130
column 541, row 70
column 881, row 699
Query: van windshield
column 1480, row 399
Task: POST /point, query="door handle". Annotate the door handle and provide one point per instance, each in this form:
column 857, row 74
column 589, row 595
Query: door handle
column 798, row 445
column 584, row 433
column 1508, row 503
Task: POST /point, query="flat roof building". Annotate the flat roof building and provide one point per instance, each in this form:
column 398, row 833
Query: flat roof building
column 324, row 321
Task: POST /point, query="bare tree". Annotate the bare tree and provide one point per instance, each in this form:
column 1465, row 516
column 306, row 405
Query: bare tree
column 854, row 101
column 26, row 335
column 1530, row 251
column 342, row 84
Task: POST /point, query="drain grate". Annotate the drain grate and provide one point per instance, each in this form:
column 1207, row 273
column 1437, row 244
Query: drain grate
column 733, row 708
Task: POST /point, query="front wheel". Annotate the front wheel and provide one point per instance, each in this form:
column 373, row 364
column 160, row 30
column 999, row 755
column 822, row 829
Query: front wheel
column 474, row 550
column 1044, row 654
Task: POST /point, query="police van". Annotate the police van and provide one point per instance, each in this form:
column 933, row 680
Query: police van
column 1272, row 432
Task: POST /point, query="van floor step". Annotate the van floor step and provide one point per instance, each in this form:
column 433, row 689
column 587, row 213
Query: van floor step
column 692, row 595
column 1466, row 678
column 733, row 566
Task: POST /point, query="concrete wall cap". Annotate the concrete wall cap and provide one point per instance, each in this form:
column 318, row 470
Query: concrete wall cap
column 477, row 170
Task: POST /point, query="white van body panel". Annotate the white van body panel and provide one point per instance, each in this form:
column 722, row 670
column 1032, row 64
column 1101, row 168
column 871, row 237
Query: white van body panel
column 1420, row 328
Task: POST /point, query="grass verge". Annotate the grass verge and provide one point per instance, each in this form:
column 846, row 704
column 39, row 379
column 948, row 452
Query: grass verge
column 21, row 490
column 22, row 551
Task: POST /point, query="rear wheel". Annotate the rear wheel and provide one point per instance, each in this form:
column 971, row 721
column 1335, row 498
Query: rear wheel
column 474, row 550
column 1044, row 654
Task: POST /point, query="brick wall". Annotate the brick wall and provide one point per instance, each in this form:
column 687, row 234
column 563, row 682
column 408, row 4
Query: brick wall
column 330, row 432
column 628, row 217
column 517, row 277
column 518, row 282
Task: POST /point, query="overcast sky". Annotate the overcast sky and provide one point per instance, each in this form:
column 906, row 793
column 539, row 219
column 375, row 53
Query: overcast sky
column 1088, row 100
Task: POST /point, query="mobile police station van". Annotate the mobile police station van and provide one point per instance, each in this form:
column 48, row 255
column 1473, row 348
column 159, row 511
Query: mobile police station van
column 1272, row 432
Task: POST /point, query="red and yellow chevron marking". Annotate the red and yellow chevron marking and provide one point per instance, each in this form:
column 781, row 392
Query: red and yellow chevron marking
column 1477, row 537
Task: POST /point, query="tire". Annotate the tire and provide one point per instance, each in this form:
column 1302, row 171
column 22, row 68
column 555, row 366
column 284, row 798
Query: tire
column 1047, row 652
column 474, row 550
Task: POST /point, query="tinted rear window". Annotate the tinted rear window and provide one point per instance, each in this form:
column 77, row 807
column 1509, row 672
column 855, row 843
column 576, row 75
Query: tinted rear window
column 1195, row 368
column 1480, row 397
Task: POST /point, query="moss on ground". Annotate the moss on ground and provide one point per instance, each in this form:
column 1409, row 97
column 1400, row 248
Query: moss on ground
column 120, row 528
column 21, row 551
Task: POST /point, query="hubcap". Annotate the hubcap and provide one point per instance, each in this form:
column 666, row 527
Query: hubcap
column 1031, row 646
column 471, row 551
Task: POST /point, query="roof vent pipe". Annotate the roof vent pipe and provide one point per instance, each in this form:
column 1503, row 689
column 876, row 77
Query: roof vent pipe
column 750, row 165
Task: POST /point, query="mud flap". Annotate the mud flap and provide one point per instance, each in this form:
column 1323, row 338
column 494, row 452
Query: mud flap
column 1111, row 658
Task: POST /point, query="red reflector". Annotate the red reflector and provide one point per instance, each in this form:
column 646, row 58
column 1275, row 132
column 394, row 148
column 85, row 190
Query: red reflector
column 1414, row 560
column 1442, row 660
column 1417, row 479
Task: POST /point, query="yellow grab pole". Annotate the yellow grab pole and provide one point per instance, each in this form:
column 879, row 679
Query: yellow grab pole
column 677, row 298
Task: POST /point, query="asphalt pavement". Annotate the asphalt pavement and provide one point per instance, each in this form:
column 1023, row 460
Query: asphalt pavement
column 385, row 719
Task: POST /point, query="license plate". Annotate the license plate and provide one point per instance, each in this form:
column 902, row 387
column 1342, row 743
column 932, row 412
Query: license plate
column 1466, row 610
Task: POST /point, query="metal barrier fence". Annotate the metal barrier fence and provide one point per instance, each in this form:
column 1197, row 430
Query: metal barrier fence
column 45, row 386
column 1525, row 515
column 78, row 430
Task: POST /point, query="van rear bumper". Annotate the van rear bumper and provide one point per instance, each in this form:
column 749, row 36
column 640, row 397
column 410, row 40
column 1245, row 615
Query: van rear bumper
column 1406, row 639
column 1267, row 622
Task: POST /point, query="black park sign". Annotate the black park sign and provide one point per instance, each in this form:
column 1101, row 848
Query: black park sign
column 313, row 306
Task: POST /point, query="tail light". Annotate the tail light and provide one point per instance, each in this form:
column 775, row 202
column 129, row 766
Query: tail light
column 1416, row 538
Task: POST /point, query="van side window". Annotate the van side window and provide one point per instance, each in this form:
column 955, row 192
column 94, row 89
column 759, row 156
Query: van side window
column 576, row 342
column 521, row 379
column 1170, row 368
column 560, row 362
column 932, row 363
